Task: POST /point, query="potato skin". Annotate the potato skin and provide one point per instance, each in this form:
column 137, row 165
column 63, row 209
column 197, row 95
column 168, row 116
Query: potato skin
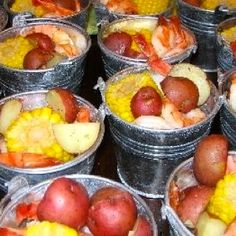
column 112, row 212
column 193, row 202
column 210, row 159
column 182, row 92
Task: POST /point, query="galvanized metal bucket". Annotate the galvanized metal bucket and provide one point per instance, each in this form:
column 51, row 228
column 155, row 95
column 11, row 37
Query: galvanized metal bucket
column 146, row 157
column 104, row 15
column 3, row 18
column 225, row 57
column 67, row 74
column 78, row 18
column 114, row 62
column 81, row 164
column 227, row 115
column 22, row 192
column 203, row 23
column 177, row 228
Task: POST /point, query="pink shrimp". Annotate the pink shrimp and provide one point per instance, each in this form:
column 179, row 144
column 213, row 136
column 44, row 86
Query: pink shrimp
column 169, row 38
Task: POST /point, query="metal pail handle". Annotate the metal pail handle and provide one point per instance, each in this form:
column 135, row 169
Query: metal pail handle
column 15, row 186
column 221, row 12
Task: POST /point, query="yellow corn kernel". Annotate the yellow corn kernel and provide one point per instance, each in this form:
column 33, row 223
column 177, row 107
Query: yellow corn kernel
column 46, row 228
column 148, row 7
column 32, row 132
column 223, row 202
column 22, row 6
column 13, row 51
column 119, row 93
column 229, row 34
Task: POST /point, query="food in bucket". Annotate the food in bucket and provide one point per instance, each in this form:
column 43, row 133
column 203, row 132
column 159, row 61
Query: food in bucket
column 232, row 93
column 144, row 7
column 47, row 8
column 211, row 4
column 170, row 102
column 108, row 211
column 203, row 195
column 164, row 39
column 229, row 34
column 48, row 135
column 41, row 47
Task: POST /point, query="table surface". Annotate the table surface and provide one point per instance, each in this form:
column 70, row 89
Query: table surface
column 105, row 161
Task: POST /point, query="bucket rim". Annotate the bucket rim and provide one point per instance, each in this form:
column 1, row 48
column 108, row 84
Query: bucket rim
column 174, row 58
column 135, row 69
column 77, row 159
column 49, row 21
column 84, row 9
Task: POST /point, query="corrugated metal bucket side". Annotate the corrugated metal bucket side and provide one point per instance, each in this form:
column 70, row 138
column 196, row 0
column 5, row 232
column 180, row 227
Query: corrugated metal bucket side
column 225, row 57
column 103, row 14
column 67, row 74
column 79, row 18
column 203, row 23
column 146, row 157
column 81, row 164
column 114, row 63
column 22, row 192
column 3, row 18
column 227, row 115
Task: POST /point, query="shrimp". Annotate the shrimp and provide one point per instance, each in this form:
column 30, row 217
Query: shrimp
column 169, row 38
column 232, row 93
column 63, row 42
column 154, row 122
column 178, row 119
column 121, row 6
column 171, row 114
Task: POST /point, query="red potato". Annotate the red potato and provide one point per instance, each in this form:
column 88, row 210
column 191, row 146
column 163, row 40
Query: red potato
column 210, row 159
column 62, row 101
column 231, row 230
column 112, row 212
column 118, row 42
column 146, row 101
column 142, row 227
column 36, row 58
column 7, row 232
column 42, row 41
column 65, row 201
column 193, row 202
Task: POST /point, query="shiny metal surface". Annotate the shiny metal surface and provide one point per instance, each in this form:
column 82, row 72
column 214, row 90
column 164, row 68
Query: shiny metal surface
column 146, row 157
column 79, row 18
column 227, row 115
column 203, row 23
column 67, row 74
column 225, row 58
column 82, row 163
column 114, row 62
column 3, row 18
column 92, row 184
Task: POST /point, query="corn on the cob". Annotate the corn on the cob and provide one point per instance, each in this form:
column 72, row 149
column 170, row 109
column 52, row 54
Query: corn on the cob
column 229, row 34
column 32, row 132
column 120, row 93
column 223, row 202
column 13, row 51
column 46, row 228
column 21, row 6
column 148, row 7
column 212, row 4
